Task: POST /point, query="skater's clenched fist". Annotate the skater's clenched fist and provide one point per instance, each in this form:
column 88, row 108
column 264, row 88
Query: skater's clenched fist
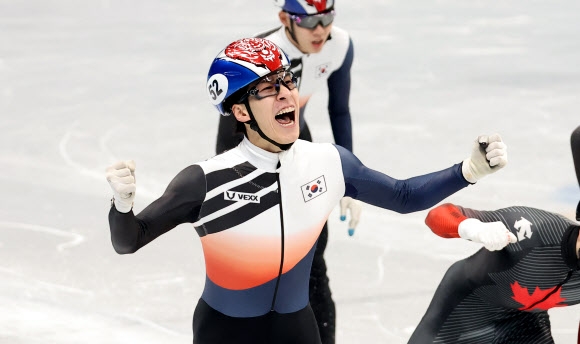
column 121, row 177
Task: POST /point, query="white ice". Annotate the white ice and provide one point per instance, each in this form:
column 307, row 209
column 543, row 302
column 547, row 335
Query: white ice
column 84, row 83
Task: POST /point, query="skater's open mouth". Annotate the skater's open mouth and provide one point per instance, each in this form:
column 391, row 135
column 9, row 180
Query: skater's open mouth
column 286, row 116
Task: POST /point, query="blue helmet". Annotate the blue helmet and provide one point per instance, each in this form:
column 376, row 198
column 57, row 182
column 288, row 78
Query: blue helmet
column 238, row 65
column 305, row 6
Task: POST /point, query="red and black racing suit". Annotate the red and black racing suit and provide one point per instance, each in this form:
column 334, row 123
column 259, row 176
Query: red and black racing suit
column 503, row 296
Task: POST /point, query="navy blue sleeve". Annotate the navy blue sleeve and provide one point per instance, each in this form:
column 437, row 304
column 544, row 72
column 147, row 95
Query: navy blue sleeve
column 338, row 99
column 402, row 196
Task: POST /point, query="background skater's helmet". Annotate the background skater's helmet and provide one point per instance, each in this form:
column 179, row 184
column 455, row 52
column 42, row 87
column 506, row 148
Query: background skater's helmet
column 305, row 6
column 238, row 65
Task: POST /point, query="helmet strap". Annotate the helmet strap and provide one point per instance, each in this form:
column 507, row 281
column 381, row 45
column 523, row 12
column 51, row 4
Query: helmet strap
column 291, row 32
column 255, row 127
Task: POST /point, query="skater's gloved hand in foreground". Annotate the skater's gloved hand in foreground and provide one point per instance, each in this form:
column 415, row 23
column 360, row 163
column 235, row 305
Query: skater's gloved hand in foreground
column 355, row 207
column 121, row 177
column 493, row 235
column 488, row 155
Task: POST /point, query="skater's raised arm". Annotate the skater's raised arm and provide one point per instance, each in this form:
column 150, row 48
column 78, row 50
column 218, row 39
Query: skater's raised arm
column 180, row 203
column 421, row 192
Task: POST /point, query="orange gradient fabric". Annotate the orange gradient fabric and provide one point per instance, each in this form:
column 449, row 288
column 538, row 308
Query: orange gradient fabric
column 239, row 261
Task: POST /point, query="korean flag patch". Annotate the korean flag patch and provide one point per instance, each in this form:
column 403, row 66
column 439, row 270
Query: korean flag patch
column 322, row 70
column 313, row 188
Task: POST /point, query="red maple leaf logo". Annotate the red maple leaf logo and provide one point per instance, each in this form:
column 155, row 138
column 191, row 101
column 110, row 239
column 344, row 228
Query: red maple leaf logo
column 522, row 296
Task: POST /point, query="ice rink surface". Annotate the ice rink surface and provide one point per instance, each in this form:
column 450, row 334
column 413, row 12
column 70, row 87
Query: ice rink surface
column 85, row 83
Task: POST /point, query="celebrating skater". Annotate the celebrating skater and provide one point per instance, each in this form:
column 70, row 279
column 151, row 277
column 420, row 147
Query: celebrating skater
column 259, row 208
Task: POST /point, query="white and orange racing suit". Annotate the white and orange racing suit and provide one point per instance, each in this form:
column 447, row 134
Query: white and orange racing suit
column 258, row 215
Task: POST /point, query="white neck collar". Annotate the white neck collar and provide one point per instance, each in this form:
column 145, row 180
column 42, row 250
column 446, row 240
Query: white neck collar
column 258, row 157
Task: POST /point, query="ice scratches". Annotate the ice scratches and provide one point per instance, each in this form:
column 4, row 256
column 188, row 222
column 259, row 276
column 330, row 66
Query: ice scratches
column 36, row 284
column 74, row 239
column 153, row 325
column 389, row 333
column 489, row 51
column 98, row 174
column 503, row 22
column 69, row 161
column 381, row 266
column 146, row 281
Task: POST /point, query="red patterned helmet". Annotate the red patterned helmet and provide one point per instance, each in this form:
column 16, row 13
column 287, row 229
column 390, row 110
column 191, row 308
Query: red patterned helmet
column 241, row 63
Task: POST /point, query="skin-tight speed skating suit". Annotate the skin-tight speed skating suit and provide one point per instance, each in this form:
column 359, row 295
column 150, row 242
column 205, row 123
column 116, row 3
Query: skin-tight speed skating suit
column 503, row 296
column 330, row 67
column 258, row 215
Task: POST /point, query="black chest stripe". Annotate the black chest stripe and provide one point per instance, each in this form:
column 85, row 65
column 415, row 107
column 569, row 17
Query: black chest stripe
column 218, row 178
column 239, row 215
column 251, row 187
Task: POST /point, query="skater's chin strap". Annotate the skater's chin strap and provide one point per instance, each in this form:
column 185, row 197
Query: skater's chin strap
column 290, row 31
column 254, row 126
